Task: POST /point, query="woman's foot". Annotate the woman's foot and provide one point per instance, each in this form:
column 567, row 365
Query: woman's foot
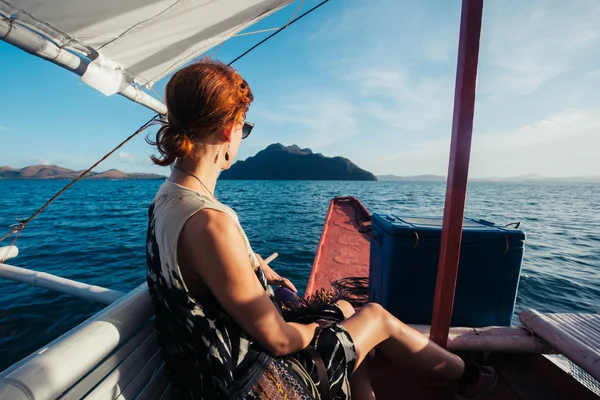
column 484, row 385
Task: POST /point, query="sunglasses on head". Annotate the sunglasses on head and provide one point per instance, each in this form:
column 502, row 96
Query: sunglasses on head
column 246, row 129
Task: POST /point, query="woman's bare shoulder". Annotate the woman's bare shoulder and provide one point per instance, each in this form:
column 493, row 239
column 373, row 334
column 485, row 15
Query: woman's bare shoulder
column 209, row 222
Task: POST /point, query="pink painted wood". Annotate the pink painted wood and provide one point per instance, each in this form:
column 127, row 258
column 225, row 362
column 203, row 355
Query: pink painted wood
column 458, row 169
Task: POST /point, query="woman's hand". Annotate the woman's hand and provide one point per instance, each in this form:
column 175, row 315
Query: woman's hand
column 273, row 277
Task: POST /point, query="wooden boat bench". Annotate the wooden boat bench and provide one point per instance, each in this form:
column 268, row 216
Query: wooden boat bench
column 113, row 355
column 576, row 336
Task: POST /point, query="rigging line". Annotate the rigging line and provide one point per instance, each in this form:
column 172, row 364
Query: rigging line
column 13, row 230
column 217, row 49
column 3, row 258
column 23, row 223
column 295, row 12
column 139, row 23
column 156, row 93
column 255, row 32
column 279, row 30
column 272, row 29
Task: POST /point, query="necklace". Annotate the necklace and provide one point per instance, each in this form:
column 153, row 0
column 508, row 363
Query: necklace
column 198, row 179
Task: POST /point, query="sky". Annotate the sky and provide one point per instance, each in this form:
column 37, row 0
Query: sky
column 372, row 81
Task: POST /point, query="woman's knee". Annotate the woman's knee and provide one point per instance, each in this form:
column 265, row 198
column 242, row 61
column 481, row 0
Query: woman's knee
column 346, row 308
column 379, row 314
column 375, row 308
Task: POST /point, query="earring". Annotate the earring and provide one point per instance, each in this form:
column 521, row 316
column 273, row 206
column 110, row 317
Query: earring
column 227, row 152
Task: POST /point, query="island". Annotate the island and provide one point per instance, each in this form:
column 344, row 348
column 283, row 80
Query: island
column 279, row 162
column 55, row 172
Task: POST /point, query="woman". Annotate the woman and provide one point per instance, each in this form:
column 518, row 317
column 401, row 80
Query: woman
column 222, row 335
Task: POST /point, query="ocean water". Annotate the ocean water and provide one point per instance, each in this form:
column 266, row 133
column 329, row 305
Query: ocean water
column 95, row 233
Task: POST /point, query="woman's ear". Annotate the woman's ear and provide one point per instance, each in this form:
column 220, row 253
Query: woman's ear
column 227, row 132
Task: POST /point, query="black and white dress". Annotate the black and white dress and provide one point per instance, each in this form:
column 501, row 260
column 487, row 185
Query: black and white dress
column 208, row 355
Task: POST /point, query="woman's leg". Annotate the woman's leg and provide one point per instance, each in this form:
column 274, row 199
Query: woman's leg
column 372, row 326
column 360, row 384
column 346, row 308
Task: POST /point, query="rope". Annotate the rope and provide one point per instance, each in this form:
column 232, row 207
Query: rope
column 9, row 233
column 355, row 290
column 279, row 30
column 254, row 32
column 295, row 12
column 3, row 258
column 272, row 29
column 157, row 94
column 217, row 49
column 10, row 21
column 22, row 223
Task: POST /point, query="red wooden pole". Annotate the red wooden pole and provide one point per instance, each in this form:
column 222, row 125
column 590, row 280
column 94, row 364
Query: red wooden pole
column 458, row 169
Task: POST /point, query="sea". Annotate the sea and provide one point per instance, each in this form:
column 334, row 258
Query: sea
column 95, row 233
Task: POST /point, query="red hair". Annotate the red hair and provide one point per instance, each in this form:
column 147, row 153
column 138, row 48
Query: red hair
column 201, row 98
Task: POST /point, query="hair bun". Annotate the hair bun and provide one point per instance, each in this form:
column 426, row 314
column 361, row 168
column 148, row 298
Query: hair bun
column 172, row 143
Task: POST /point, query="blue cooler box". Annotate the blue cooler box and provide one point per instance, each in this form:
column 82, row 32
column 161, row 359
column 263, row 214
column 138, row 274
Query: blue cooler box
column 403, row 270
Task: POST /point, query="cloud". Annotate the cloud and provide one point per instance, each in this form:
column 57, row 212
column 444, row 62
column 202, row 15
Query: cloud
column 527, row 44
column 128, row 158
column 563, row 144
column 399, row 68
column 38, row 161
column 314, row 118
column 410, row 103
column 342, row 22
column 593, row 74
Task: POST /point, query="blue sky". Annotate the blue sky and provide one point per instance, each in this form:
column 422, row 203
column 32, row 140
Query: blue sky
column 369, row 80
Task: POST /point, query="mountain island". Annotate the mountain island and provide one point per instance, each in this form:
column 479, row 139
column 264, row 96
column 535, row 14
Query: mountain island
column 276, row 162
column 279, row 162
column 56, row 172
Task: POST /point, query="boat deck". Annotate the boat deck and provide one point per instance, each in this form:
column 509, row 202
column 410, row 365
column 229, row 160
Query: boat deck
column 344, row 252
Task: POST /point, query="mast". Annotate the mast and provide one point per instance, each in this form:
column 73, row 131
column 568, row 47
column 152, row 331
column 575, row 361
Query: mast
column 458, row 168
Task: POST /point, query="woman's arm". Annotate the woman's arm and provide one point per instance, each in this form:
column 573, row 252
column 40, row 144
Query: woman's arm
column 211, row 246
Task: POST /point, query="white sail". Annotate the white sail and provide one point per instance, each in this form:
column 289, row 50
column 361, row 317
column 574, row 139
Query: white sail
column 132, row 41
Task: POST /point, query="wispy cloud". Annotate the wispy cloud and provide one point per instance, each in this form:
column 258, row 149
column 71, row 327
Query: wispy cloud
column 593, row 74
column 408, row 103
column 37, row 161
column 347, row 20
column 527, row 44
column 311, row 118
column 128, row 158
column 567, row 139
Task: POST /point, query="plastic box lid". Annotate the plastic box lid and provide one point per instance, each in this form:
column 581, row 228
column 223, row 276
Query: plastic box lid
column 432, row 227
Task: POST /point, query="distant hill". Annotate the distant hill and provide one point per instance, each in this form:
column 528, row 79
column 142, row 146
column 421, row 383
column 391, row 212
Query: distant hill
column 528, row 178
column 56, row 172
column 278, row 162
